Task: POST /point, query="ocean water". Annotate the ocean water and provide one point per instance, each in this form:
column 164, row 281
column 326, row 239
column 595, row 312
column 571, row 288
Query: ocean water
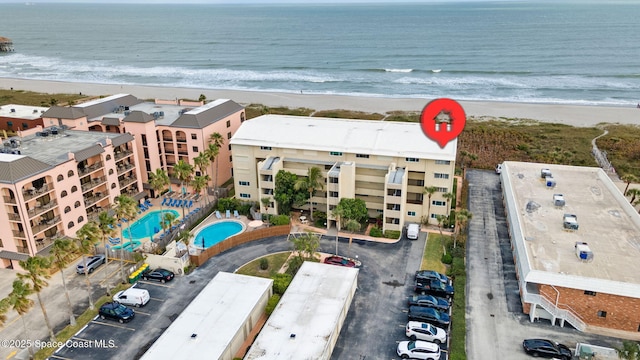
column 528, row 51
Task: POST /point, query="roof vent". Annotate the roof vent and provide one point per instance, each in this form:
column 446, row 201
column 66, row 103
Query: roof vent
column 570, row 221
column 558, row 200
column 544, row 173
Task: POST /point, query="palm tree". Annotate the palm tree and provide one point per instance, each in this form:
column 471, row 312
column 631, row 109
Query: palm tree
column 311, row 183
column 630, row 350
column 5, row 306
column 19, row 301
column 183, row 171
column 60, row 251
column 168, row 219
column 87, row 237
column 201, row 162
column 449, row 196
column 106, row 226
column 199, row 182
column 628, row 178
column 429, row 190
column 462, row 218
column 215, row 142
column 37, row 273
column 125, row 212
column 440, row 219
column 352, row 226
column 266, row 201
column 159, row 180
column 633, row 193
column 184, row 236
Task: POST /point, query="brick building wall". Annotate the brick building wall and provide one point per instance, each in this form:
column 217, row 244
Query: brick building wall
column 14, row 124
column 597, row 309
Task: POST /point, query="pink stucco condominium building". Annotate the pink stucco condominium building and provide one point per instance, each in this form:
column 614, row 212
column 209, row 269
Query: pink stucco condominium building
column 53, row 180
column 165, row 131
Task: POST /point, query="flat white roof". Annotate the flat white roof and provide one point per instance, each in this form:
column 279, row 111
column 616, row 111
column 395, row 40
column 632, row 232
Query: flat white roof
column 386, row 138
column 311, row 308
column 100, row 100
column 215, row 316
column 26, row 112
column 607, row 223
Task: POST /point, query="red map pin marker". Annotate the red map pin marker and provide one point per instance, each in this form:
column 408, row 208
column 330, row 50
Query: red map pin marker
column 442, row 120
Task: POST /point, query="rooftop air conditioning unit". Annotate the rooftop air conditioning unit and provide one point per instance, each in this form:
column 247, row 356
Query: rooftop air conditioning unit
column 583, row 252
column 544, row 173
column 550, row 182
column 570, row 221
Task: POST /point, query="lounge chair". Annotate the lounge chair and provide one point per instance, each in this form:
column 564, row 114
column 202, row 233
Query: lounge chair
column 164, row 202
column 178, row 203
column 218, row 214
column 171, row 202
column 148, row 203
column 228, row 214
column 190, row 203
column 235, row 213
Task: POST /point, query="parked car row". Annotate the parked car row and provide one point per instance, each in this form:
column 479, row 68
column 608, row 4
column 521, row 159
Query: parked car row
column 428, row 316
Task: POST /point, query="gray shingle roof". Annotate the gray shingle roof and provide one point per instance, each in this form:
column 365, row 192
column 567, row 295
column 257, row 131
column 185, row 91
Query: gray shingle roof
column 4, row 254
column 124, row 138
column 14, row 168
column 110, row 121
column 198, row 119
column 105, row 106
column 63, row 112
column 84, row 154
column 138, row 117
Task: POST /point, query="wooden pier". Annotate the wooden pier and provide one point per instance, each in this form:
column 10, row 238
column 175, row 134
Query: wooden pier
column 6, row 45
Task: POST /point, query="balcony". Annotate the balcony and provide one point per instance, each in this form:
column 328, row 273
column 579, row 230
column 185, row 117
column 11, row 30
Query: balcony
column 122, row 168
column 167, row 139
column 127, row 181
column 34, row 193
column 39, row 209
column 14, row 217
column 18, row 234
column 93, row 183
column 183, row 152
column 181, row 139
column 122, row 154
column 22, row 250
column 9, row 200
column 169, row 151
column 89, row 169
column 45, row 224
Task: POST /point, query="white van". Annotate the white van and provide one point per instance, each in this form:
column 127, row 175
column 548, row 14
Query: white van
column 132, row 297
column 413, row 231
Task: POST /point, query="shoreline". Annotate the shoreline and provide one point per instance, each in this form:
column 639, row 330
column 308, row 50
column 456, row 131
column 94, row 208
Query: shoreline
column 574, row 115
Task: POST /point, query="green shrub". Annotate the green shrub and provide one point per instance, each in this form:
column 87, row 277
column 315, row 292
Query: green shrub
column 447, row 259
column 280, row 220
column 392, row 234
column 264, row 263
column 272, row 303
column 281, row 283
column 319, row 215
column 375, row 232
column 294, row 265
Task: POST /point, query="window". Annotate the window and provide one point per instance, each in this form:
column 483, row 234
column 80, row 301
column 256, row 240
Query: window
column 60, row 177
column 70, row 173
column 440, row 176
column 442, row 189
column 333, row 180
column 25, row 126
column 229, row 135
column 602, row 314
column 195, row 149
column 113, row 185
column 193, row 136
column 415, row 182
column 433, row 216
column 229, row 147
column 63, row 193
column 411, row 213
column 333, row 194
column 144, row 140
column 80, row 219
column 588, row 292
column 74, row 188
column 77, row 204
column 230, row 158
column 410, row 159
column 108, row 157
column 335, row 153
column 243, row 183
column 242, row 117
column 70, row 225
column 110, row 171
column 443, row 162
column 108, row 127
column 67, row 209
column 363, row 156
column 265, row 147
column 228, row 123
column 438, row 203
column 9, row 123
column 245, row 196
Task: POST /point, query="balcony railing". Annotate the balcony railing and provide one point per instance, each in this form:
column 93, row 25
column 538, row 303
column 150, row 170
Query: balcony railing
column 122, row 154
column 181, row 139
column 18, row 234
column 39, row 209
column 127, row 181
column 89, row 169
column 34, row 193
column 9, row 200
column 22, row 250
column 45, row 224
column 14, row 217
column 124, row 168
column 164, row 138
column 93, row 183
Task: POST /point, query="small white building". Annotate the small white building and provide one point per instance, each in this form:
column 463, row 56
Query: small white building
column 307, row 321
column 216, row 323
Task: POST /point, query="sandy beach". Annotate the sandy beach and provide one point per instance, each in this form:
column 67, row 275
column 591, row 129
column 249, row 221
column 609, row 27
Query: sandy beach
column 575, row 115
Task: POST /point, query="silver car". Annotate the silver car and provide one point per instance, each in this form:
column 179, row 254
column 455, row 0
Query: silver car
column 92, row 263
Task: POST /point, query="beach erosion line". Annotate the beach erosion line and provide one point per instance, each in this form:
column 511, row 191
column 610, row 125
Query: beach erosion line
column 574, row 115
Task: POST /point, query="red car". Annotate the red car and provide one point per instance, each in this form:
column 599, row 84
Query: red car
column 342, row 261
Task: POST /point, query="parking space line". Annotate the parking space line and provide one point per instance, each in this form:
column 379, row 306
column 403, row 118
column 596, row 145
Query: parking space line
column 155, row 283
column 113, row 325
column 142, row 313
column 54, row 356
column 156, row 299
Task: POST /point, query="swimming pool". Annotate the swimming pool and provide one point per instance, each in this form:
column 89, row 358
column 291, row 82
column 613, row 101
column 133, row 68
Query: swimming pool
column 217, row 232
column 147, row 226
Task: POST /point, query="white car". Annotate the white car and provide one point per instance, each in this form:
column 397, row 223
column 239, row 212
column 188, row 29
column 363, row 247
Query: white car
column 416, row 330
column 418, row 350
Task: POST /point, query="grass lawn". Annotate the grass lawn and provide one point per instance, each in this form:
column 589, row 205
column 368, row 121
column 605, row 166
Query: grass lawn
column 433, row 253
column 457, row 347
column 276, row 261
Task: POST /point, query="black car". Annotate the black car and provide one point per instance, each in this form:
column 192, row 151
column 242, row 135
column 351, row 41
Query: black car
column 431, row 301
column 429, row 315
column 116, row 311
column 431, row 274
column 547, row 349
column 161, row 275
column 433, row 287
